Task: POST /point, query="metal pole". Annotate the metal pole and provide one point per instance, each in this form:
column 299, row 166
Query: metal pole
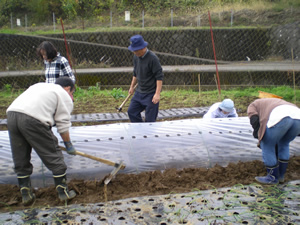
column 143, row 19
column 231, row 17
column 62, row 26
column 199, row 21
column 26, row 22
column 171, row 17
column 110, row 19
column 53, row 21
column 294, row 80
column 11, row 21
column 213, row 44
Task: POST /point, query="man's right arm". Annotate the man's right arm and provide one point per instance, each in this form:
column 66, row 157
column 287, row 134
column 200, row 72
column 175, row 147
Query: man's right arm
column 133, row 82
column 68, row 144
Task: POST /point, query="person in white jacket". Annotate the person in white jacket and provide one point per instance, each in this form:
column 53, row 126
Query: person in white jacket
column 30, row 118
column 222, row 109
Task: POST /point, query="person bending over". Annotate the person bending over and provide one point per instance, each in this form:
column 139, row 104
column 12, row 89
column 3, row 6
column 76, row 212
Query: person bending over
column 30, row 118
column 275, row 124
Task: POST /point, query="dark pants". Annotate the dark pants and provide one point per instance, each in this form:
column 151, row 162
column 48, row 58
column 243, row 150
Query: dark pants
column 139, row 103
column 25, row 133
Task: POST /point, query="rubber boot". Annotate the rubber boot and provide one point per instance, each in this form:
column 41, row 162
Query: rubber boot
column 271, row 178
column 25, row 187
column 62, row 188
column 282, row 169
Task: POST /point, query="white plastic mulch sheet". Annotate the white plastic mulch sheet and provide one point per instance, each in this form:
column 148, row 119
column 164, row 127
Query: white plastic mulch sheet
column 253, row 204
column 148, row 146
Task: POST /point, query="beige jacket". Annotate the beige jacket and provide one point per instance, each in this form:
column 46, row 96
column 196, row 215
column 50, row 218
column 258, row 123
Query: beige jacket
column 46, row 102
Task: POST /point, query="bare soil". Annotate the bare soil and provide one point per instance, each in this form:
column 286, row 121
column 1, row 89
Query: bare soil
column 147, row 184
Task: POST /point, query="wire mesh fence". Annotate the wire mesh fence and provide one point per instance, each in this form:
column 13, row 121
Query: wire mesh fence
column 243, row 57
column 167, row 17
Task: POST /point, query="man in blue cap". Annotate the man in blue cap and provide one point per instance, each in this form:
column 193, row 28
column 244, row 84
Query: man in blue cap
column 147, row 73
column 222, row 109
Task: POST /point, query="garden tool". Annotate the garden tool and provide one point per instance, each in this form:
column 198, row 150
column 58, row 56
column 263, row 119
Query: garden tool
column 117, row 166
column 126, row 99
column 113, row 173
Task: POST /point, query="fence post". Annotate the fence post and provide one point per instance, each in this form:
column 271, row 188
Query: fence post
column 143, row 19
column 110, row 19
column 26, row 22
column 231, row 17
column 171, row 17
column 11, row 22
column 294, row 80
column 199, row 21
column 53, row 21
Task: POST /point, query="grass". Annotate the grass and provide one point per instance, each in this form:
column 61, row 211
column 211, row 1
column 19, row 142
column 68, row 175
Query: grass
column 22, row 31
column 94, row 100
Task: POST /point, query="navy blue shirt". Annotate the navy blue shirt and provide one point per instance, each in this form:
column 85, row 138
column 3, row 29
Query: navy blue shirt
column 147, row 70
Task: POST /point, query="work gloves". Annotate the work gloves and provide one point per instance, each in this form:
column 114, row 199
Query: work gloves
column 70, row 148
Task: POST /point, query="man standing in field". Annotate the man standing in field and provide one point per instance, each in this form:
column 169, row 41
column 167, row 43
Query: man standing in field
column 29, row 121
column 147, row 72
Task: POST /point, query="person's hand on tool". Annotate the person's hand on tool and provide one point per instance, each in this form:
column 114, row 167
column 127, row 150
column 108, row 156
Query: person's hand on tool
column 156, row 98
column 131, row 90
column 258, row 145
column 70, row 148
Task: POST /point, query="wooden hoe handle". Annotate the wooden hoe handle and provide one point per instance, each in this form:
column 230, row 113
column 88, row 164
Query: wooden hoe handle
column 128, row 96
column 105, row 161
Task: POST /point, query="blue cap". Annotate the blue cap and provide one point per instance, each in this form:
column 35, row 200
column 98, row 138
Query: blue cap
column 136, row 43
column 227, row 105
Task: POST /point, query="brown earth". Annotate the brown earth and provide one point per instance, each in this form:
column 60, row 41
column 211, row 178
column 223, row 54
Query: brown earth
column 147, row 184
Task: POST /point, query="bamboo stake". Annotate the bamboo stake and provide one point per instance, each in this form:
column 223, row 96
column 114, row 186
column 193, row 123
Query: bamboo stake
column 294, row 80
column 219, row 96
column 199, row 85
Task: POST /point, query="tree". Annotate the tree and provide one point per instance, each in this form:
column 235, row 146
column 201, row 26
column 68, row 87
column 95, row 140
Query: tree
column 69, row 8
column 8, row 7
